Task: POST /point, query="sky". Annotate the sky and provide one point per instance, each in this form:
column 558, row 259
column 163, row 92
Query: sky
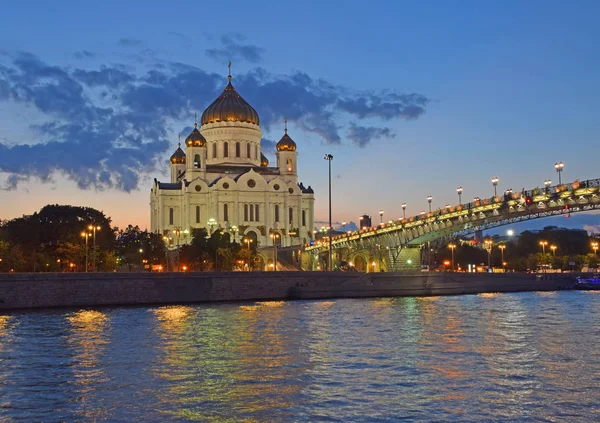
column 411, row 98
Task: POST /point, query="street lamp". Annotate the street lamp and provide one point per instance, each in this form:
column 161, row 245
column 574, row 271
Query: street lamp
column 94, row 229
column 247, row 241
column 553, row 248
column 452, row 247
column 177, row 232
column 459, row 190
column 495, row 183
column 275, row 235
column 166, row 240
column 502, row 248
column 559, row 168
column 429, row 198
column 234, row 230
column 488, row 246
column 547, row 184
column 595, row 247
column 403, row 210
column 381, row 217
column 329, row 158
column 212, row 223
column 86, row 235
column 543, row 244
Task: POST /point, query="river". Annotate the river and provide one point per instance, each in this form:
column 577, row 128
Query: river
column 523, row 357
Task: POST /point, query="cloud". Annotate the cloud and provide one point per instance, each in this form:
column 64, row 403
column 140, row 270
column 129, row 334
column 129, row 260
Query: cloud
column 84, row 54
column 232, row 48
column 130, row 42
column 268, row 147
column 108, row 127
column 592, row 229
column 363, row 135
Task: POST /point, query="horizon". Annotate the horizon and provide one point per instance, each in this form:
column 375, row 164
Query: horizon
column 97, row 116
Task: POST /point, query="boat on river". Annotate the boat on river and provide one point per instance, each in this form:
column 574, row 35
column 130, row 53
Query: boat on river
column 588, row 283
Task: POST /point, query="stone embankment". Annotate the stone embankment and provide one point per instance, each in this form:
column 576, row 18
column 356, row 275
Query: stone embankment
column 39, row 290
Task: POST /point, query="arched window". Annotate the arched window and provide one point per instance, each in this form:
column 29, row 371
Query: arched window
column 291, row 216
column 225, row 149
column 276, row 213
column 257, row 218
column 248, row 150
column 289, row 165
column 303, row 217
column 197, row 214
column 225, row 213
column 171, row 216
column 197, row 161
column 238, row 152
column 251, row 213
column 245, row 212
column 214, row 147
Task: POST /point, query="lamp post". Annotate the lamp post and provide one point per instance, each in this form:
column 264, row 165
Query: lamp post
column 381, row 217
column 275, row 235
column 247, row 241
column 495, row 184
column 429, row 198
column 233, row 230
column 488, row 246
column 177, row 232
column 459, row 191
column 547, row 184
column 553, row 248
column 595, row 247
column 502, row 248
column 166, row 239
column 212, row 223
column 543, row 244
column 94, row 229
column 86, row 235
column 403, row 210
column 452, row 247
column 559, row 168
column 329, row 158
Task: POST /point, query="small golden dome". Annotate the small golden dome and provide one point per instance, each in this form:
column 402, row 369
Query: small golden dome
column 178, row 156
column 264, row 162
column 229, row 107
column 286, row 143
column 195, row 138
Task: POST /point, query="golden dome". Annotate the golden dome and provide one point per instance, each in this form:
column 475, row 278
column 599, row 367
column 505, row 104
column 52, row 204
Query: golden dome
column 264, row 162
column 229, row 107
column 195, row 138
column 178, row 156
column 286, row 143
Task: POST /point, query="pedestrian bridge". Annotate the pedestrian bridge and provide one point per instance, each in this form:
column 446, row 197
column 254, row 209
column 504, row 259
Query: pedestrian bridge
column 396, row 245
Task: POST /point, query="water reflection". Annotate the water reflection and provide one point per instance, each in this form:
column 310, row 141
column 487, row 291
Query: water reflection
column 87, row 339
column 493, row 357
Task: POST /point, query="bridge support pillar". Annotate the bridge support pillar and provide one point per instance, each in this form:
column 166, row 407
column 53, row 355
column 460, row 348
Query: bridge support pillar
column 408, row 259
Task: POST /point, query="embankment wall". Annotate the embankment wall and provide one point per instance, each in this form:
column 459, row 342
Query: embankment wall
column 39, row 290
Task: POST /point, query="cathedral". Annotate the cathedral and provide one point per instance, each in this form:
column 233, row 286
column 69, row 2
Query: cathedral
column 222, row 181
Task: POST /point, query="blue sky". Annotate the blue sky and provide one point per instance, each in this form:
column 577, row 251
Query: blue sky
column 411, row 98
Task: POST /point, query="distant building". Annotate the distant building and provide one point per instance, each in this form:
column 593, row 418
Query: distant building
column 223, row 181
column 365, row 221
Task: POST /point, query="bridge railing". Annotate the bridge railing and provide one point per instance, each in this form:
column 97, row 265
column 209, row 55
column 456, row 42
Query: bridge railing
column 476, row 204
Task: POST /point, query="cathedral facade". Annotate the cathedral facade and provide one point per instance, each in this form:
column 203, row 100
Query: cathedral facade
column 222, row 181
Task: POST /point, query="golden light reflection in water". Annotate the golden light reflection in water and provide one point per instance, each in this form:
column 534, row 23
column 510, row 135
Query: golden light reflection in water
column 88, row 339
column 488, row 294
column 226, row 356
column 4, row 325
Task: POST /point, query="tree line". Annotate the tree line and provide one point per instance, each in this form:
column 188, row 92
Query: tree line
column 62, row 238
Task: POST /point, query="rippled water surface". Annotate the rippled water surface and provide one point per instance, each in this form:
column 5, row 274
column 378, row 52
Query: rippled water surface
column 502, row 357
